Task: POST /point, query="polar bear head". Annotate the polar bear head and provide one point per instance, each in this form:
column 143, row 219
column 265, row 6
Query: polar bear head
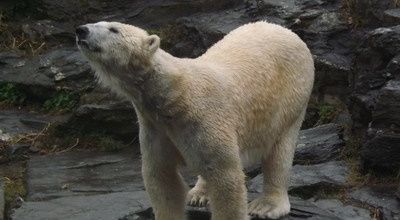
column 116, row 43
column 120, row 54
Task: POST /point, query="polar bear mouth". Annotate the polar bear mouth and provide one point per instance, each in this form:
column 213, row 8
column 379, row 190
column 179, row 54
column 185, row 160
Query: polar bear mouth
column 84, row 44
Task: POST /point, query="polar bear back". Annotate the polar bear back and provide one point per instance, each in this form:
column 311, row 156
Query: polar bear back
column 270, row 71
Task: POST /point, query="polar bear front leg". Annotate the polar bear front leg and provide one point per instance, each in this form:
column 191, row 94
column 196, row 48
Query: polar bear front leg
column 197, row 196
column 163, row 183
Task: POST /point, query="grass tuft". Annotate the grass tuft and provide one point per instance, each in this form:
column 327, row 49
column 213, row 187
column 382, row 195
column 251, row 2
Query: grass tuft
column 11, row 94
column 62, row 101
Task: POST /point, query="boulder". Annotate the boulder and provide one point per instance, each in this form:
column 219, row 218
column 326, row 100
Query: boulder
column 309, row 180
column 387, row 106
column 381, row 198
column 62, row 68
column 82, row 173
column 382, row 153
column 102, row 112
column 375, row 99
column 139, row 12
column 13, row 123
column 372, row 57
column 88, row 185
column 301, row 209
column 319, row 144
column 101, row 206
column 392, row 15
column 343, row 211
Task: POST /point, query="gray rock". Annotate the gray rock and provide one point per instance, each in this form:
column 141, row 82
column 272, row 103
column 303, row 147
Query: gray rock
column 16, row 150
column 386, row 106
column 63, row 68
column 307, row 181
column 2, row 199
column 100, row 112
column 376, row 98
column 80, row 173
column 327, row 22
column 382, row 153
column 21, row 122
column 140, row 12
column 332, row 72
column 20, row 70
column 383, row 44
column 315, row 145
column 301, row 209
column 319, row 144
column 383, row 198
column 343, row 211
column 110, row 206
column 79, row 185
column 49, row 30
column 393, row 68
column 206, row 29
column 392, row 15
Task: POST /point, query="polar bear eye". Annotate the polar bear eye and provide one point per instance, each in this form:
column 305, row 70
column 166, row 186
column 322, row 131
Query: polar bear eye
column 114, row 30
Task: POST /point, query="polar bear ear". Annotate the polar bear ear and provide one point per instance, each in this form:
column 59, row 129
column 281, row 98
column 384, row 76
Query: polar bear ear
column 152, row 43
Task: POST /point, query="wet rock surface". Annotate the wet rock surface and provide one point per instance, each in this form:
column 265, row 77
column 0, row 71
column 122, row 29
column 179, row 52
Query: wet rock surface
column 319, row 144
column 101, row 206
column 343, row 211
column 316, row 145
column 80, row 185
column 87, row 185
column 62, row 68
column 82, row 173
column 376, row 103
column 309, row 180
column 21, row 122
column 382, row 198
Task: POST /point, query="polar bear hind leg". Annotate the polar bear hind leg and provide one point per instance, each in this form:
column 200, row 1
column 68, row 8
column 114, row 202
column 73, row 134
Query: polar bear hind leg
column 274, row 202
column 197, row 196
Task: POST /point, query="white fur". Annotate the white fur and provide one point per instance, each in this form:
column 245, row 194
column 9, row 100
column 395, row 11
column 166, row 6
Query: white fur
column 241, row 102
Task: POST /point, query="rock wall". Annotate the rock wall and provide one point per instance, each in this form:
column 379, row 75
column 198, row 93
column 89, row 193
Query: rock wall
column 355, row 44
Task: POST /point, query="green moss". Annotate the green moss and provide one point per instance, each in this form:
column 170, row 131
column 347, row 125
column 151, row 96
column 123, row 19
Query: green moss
column 61, row 101
column 326, row 113
column 13, row 188
column 11, row 94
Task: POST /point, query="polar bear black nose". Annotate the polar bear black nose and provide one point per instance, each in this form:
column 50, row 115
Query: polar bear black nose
column 82, row 32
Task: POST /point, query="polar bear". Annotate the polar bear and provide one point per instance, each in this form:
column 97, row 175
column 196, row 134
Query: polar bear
column 241, row 102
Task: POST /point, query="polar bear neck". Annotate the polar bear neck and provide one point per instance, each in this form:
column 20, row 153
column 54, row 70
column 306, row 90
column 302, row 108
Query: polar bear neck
column 153, row 86
column 161, row 88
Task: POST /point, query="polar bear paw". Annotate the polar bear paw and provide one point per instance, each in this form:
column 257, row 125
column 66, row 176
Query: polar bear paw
column 197, row 197
column 272, row 208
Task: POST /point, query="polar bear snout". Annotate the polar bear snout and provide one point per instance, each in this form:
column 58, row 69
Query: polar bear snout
column 82, row 32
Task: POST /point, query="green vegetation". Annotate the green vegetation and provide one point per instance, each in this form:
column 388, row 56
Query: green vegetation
column 11, row 94
column 61, row 101
column 326, row 113
column 12, row 189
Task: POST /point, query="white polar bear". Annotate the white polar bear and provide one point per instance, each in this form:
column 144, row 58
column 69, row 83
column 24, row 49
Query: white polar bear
column 242, row 101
